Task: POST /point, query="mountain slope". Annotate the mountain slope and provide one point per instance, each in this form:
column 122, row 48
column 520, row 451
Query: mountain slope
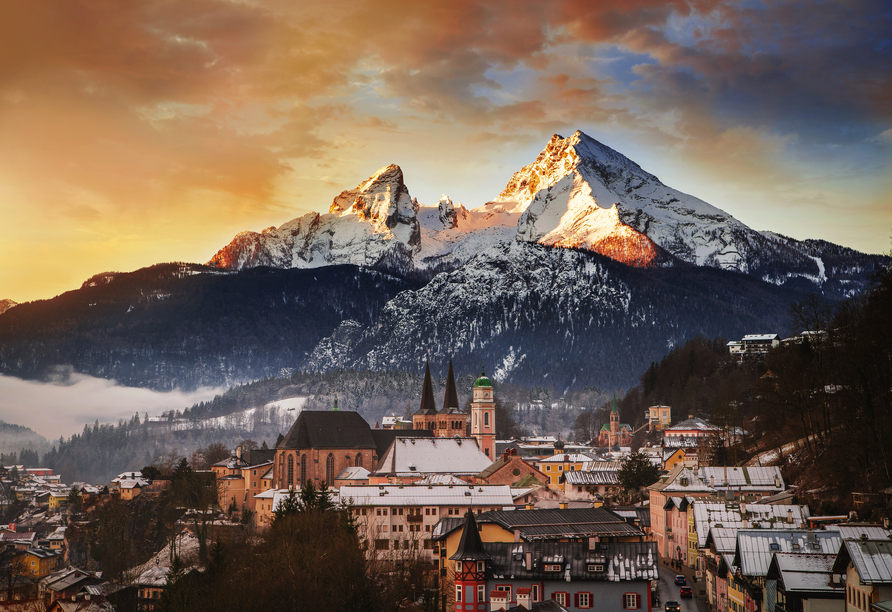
column 187, row 326
column 540, row 315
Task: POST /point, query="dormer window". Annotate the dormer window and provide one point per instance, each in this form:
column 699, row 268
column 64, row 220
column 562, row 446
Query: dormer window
column 552, row 568
column 596, row 567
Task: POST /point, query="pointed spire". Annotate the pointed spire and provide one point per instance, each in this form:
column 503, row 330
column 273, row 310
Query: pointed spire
column 427, row 393
column 336, row 409
column 470, row 547
column 450, row 400
column 614, row 409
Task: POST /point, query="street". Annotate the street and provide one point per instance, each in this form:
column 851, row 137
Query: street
column 669, row 591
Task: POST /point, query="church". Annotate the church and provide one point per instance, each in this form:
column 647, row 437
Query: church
column 451, row 421
column 616, row 433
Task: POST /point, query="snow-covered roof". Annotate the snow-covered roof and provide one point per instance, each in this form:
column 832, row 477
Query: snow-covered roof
column 859, row 532
column 724, row 539
column 872, row 560
column 755, row 547
column 808, row 573
column 685, row 482
column 127, row 476
column 353, row 473
column 695, row 423
column 427, row 495
column 759, row 337
column 602, row 477
column 441, row 479
column 411, row 456
column 742, row 478
column 567, row 458
column 740, row 516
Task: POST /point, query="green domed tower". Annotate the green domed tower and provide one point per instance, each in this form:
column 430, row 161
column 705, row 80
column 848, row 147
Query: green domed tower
column 483, row 415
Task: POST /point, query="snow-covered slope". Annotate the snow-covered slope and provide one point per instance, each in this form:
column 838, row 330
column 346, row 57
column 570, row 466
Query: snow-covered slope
column 6, row 305
column 578, row 193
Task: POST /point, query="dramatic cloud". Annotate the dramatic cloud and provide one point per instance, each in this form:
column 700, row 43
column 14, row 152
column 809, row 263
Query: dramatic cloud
column 132, row 133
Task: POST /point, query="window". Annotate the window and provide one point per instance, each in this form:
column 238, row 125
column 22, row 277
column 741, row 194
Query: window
column 290, row 481
column 481, row 593
column 358, row 461
column 631, row 601
column 329, row 470
column 458, row 593
column 382, row 544
column 506, row 588
column 378, row 511
column 427, row 528
column 583, row 600
column 597, row 567
column 303, row 470
column 486, row 419
column 560, row 597
column 553, row 568
column 534, row 592
column 481, row 566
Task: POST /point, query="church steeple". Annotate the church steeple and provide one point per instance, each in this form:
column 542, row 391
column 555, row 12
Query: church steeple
column 427, row 394
column 450, row 400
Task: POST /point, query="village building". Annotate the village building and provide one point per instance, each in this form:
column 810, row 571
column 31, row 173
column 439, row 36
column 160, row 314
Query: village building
column 658, row 417
column 867, row 566
column 806, row 583
column 594, row 479
column 510, row 469
column 408, row 460
column 575, row 575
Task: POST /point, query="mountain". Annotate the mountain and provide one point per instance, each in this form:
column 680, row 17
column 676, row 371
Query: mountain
column 561, row 317
column 187, row 326
column 6, row 305
column 577, row 193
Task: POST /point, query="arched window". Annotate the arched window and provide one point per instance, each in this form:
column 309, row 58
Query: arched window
column 475, row 419
column 358, row 462
column 303, row 470
column 329, row 470
column 486, row 419
column 290, row 481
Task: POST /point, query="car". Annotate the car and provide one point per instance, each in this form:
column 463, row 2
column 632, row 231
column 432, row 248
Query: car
column 681, row 580
column 686, row 591
column 673, row 606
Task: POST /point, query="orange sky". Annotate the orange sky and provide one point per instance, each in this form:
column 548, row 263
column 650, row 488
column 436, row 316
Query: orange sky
column 133, row 133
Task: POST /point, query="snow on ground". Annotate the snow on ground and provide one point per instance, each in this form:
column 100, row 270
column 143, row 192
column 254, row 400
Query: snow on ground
column 282, row 412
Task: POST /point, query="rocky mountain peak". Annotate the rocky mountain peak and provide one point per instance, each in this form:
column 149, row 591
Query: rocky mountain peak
column 6, row 304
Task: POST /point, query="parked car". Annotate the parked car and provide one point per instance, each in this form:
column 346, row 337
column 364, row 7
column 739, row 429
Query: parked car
column 680, row 580
column 686, row 591
column 673, row 606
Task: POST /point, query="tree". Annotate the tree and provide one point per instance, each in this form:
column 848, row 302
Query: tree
column 12, row 570
column 196, row 491
column 637, row 471
column 151, row 472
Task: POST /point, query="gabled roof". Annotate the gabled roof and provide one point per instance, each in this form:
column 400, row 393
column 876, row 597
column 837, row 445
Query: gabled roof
column 743, row 478
column 553, row 524
column 756, row 547
column 692, row 424
column 412, row 456
column 470, row 547
column 569, row 561
column 353, row 473
column 384, row 437
column 872, row 560
column 324, row 430
column 861, row 532
column 427, row 394
column 733, row 515
column 799, row 573
column 605, row 477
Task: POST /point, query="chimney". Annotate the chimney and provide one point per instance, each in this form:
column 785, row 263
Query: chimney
column 777, row 481
column 517, row 535
column 789, row 515
column 592, row 542
column 528, row 507
column 712, row 481
column 238, row 452
column 523, row 597
column 498, row 600
column 528, row 561
column 562, row 505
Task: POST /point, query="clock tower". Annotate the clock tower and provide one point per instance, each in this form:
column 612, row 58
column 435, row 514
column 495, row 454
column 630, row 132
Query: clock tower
column 483, row 416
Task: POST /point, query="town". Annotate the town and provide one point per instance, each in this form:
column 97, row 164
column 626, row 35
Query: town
column 448, row 517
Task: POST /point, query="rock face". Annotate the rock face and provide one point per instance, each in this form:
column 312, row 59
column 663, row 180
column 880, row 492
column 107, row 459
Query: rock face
column 6, row 305
column 578, row 193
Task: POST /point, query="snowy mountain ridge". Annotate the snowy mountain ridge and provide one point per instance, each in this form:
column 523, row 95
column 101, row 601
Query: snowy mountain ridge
column 578, row 193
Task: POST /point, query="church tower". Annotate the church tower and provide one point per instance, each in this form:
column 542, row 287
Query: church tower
column 470, row 568
column 483, row 416
column 614, row 423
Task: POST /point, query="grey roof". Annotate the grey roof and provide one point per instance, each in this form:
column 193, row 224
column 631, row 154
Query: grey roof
column 804, row 573
column 353, row 473
column 637, row 513
column 547, row 605
column 552, row 524
column 607, row 477
column 742, row 478
column 740, row 516
column 413, row 456
column 619, row 561
column 872, row 560
column 689, row 424
column 755, row 547
column 723, row 538
column 322, row 430
column 427, row 495
column 882, row 606
column 860, row 532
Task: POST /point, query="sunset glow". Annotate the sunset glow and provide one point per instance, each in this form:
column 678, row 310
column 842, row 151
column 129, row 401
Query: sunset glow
column 133, row 133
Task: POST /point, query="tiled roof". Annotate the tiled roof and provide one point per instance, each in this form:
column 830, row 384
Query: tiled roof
column 318, row 429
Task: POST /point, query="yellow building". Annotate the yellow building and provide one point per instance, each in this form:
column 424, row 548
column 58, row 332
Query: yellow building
column 57, row 501
column 555, row 466
column 658, row 418
column 39, row 562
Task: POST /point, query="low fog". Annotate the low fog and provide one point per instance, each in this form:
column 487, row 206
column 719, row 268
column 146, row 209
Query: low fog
column 62, row 407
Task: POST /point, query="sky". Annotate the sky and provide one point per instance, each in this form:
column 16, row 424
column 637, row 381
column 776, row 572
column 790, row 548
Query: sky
column 133, row 133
